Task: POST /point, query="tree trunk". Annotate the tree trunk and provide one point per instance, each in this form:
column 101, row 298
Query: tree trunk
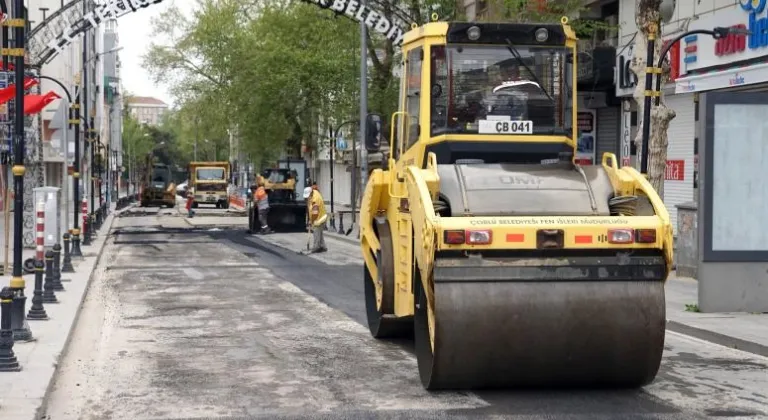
column 647, row 17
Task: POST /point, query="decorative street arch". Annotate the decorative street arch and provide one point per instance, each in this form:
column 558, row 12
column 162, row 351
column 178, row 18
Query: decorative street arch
column 374, row 19
column 60, row 29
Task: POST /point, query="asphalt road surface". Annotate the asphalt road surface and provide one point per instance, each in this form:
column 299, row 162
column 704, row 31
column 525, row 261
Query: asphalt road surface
column 202, row 323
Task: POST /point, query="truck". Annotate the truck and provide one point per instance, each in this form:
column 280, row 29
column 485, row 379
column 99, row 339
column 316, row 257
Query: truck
column 284, row 185
column 210, row 183
column 508, row 262
column 157, row 187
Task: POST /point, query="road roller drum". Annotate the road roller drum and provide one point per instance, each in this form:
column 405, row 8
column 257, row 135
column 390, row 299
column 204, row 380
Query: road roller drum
column 542, row 332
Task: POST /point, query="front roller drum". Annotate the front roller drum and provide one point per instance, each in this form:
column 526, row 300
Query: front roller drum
column 492, row 334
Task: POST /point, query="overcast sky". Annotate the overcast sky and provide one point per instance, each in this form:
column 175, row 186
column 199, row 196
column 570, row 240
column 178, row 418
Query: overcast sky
column 134, row 30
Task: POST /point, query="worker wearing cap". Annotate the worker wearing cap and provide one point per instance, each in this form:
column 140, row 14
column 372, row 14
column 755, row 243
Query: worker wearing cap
column 317, row 217
column 262, row 204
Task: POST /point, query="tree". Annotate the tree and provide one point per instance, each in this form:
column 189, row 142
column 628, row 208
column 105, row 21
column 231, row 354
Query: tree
column 136, row 143
column 647, row 19
column 253, row 69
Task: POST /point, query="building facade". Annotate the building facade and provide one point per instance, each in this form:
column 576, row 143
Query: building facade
column 113, row 105
column 146, row 109
column 699, row 63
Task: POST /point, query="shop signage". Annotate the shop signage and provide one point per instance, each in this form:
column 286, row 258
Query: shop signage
column 757, row 73
column 585, row 146
column 626, row 138
column 705, row 51
column 757, row 25
column 731, row 44
column 626, row 79
column 362, row 13
column 675, row 170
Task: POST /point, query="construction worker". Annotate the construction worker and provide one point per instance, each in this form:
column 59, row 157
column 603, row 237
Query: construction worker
column 317, row 218
column 190, row 202
column 262, row 204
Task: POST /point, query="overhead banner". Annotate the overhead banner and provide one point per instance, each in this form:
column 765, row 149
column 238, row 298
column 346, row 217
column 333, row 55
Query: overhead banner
column 373, row 19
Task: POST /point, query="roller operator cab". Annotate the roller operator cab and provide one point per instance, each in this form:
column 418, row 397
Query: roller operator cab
column 510, row 264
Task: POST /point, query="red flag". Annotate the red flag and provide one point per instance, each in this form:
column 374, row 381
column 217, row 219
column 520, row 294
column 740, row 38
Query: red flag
column 33, row 104
column 9, row 93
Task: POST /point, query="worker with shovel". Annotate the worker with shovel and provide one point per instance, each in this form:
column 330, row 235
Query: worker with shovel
column 317, row 218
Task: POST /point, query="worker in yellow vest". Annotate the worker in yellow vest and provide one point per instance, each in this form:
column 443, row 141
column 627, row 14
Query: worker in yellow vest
column 317, row 218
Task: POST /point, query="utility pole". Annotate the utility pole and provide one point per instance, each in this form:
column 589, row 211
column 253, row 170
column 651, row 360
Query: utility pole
column 197, row 134
column 84, row 115
column 363, row 105
column 363, row 111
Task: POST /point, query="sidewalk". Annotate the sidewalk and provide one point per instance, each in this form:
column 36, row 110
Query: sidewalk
column 25, row 391
column 743, row 331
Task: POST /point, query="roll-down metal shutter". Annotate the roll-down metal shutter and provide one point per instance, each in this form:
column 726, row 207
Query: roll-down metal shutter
column 607, row 131
column 680, row 135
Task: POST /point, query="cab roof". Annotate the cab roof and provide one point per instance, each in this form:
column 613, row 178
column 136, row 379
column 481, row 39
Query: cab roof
column 491, row 33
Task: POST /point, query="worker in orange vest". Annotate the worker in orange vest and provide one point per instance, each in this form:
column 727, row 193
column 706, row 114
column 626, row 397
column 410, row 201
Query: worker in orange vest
column 262, row 204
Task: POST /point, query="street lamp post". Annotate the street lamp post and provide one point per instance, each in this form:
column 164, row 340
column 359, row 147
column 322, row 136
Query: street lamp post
column 73, row 121
column 716, row 33
column 100, row 182
column 19, row 25
column 93, row 144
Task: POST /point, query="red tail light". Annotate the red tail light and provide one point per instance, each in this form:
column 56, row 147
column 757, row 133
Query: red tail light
column 621, row 236
column 470, row 237
column 645, row 236
column 453, row 237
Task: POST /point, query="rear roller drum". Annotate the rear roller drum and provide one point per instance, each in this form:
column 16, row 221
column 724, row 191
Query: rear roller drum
column 539, row 334
column 380, row 304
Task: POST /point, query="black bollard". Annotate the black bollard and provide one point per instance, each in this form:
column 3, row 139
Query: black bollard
column 8, row 361
column 67, row 266
column 48, row 295
column 87, row 228
column 76, row 252
column 19, row 325
column 341, row 224
column 57, row 286
column 37, row 311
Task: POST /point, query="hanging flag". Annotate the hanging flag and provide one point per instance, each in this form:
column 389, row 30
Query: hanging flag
column 6, row 94
column 33, row 104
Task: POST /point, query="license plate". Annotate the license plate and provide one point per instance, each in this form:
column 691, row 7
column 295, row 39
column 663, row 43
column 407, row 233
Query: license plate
column 505, row 127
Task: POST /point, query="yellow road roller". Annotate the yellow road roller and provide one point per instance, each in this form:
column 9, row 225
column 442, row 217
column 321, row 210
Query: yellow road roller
column 510, row 262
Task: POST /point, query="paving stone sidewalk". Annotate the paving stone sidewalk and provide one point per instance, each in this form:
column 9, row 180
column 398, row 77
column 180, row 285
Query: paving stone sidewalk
column 24, row 391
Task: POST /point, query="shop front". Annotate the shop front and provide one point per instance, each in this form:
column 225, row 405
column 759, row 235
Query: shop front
column 735, row 63
column 599, row 127
column 678, row 179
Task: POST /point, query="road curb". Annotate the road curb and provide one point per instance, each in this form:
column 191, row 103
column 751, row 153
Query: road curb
column 65, row 349
column 717, row 338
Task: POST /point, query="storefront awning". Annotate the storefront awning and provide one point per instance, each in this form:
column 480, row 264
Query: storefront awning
column 6, row 94
column 33, row 104
column 730, row 78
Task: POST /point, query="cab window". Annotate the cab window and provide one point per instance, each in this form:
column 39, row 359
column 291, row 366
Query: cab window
column 413, row 94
